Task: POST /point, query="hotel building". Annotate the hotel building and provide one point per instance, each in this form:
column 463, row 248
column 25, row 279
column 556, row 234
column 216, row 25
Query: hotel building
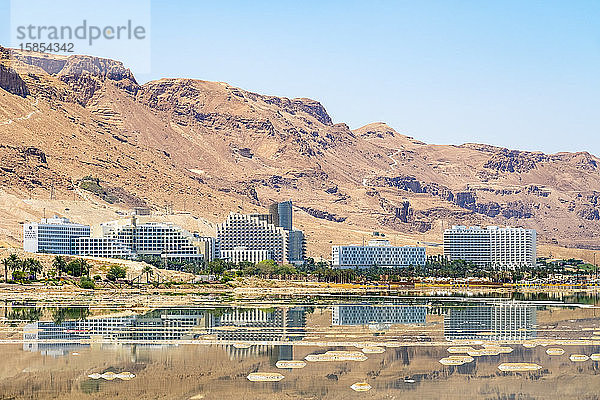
column 52, row 235
column 377, row 253
column 491, row 246
column 129, row 239
column 252, row 233
column 240, row 254
column 258, row 237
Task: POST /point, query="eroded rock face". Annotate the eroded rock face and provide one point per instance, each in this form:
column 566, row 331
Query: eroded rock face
column 465, row 199
column 411, row 184
column 84, row 74
column 589, row 213
column 12, row 82
column 517, row 209
column 322, row 214
column 514, row 161
column 27, row 167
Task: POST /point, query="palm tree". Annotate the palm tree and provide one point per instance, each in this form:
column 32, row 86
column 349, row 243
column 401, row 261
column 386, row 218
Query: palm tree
column 148, row 271
column 14, row 263
column 32, row 266
column 60, row 264
column 6, row 263
column 85, row 267
column 35, row 267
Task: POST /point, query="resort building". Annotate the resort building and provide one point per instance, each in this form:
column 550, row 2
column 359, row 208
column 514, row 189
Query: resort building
column 296, row 247
column 377, row 253
column 281, row 214
column 129, row 239
column 491, row 246
column 252, row 233
column 240, row 254
column 250, row 237
column 101, row 247
column 208, row 246
column 52, row 235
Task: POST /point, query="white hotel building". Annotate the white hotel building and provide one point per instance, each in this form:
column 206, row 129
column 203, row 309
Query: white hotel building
column 245, row 237
column 377, row 253
column 491, row 246
column 129, row 239
column 52, row 235
column 241, row 254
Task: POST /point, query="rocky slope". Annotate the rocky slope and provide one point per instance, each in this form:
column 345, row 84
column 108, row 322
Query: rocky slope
column 208, row 148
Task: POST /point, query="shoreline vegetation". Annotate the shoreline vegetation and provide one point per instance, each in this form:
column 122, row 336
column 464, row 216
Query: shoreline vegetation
column 49, row 270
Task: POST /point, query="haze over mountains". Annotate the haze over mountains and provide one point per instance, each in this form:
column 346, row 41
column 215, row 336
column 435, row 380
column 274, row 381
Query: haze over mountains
column 210, row 148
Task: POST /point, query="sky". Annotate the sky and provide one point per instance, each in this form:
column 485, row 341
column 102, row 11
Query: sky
column 518, row 74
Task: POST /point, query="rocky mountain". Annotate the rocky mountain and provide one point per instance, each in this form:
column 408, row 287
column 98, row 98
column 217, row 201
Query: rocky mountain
column 208, row 148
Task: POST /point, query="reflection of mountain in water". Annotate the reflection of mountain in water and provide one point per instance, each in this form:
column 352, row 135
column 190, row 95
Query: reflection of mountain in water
column 510, row 321
column 162, row 326
column 354, row 314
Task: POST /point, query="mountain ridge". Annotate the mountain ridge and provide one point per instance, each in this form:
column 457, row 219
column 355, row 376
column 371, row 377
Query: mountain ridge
column 209, row 147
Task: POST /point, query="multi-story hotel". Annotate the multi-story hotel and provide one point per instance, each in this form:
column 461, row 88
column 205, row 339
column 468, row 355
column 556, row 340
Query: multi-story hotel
column 252, row 233
column 128, row 238
column 209, row 247
column 240, row 254
column 52, row 235
column 101, row 247
column 377, row 253
column 281, row 214
column 251, row 237
column 491, row 246
column 296, row 246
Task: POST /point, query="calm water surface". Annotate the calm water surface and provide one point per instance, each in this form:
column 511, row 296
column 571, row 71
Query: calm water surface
column 399, row 346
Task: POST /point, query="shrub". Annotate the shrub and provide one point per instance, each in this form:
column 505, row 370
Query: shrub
column 86, row 283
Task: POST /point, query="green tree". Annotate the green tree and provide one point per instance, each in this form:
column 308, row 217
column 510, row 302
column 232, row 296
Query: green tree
column 116, row 272
column 5, row 263
column 15, row 264
column 266, row 267
column 78, row 267
column 149, row 272
column 60, row 264
column 217, row 266
column 32, row 267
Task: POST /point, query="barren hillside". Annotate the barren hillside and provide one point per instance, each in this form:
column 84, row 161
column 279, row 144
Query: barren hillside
column 207, row 148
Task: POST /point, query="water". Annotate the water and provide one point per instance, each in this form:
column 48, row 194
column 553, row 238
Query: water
column 204, row 346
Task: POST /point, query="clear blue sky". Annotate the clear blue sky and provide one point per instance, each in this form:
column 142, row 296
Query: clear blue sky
column 519, row 74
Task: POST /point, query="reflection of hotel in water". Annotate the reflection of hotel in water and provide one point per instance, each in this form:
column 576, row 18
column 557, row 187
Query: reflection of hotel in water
column 280, row 324
column 510, row 321
column 375, row 314
column 164, row 325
